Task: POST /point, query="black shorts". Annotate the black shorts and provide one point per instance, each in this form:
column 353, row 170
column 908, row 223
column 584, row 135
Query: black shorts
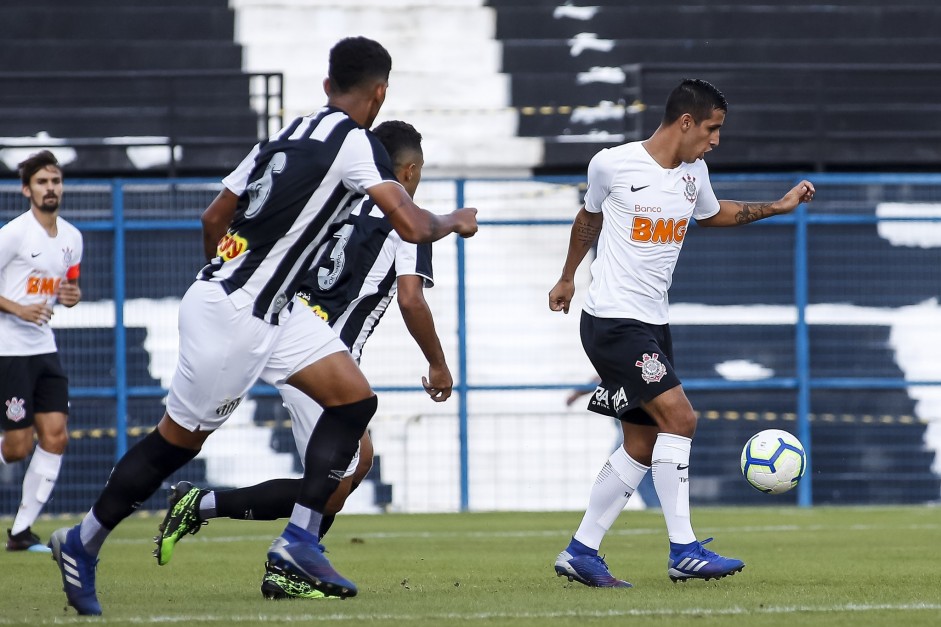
column 30, row 385
column 634, row 361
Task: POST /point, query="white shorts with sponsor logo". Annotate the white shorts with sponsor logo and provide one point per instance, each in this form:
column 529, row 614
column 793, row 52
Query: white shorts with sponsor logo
column 224, row 351
column 304, row 416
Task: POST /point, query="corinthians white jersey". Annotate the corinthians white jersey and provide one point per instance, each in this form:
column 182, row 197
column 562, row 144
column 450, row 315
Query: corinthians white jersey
column 646, row 211
column 32, row 264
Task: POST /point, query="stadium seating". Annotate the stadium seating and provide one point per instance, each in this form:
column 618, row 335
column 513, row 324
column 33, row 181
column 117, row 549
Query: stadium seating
column 102, row 76
column 811, row 85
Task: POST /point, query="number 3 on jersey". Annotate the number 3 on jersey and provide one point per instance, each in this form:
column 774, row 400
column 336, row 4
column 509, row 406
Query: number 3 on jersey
column 259, row 190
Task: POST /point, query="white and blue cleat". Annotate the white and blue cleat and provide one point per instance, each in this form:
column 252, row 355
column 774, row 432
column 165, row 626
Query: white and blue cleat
column 693, row 561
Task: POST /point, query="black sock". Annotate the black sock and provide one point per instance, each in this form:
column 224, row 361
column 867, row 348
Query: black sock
column 331, row 448
column 325, row 523
column 137, row 476
column 270, row 500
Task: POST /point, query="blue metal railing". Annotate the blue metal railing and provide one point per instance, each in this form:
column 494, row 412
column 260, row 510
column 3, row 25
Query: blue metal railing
column 802, row 384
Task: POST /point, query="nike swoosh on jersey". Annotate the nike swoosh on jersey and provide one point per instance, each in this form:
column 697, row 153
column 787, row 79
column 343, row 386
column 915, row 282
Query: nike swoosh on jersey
column 34, row 255
column 637, row 189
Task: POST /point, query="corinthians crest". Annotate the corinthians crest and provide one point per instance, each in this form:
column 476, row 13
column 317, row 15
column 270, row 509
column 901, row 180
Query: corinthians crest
column 690, row 190
column 651, row 368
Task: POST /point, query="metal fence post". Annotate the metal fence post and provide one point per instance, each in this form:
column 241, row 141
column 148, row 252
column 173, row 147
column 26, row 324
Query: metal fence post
column 802, row 351
column 462, row 385
column 120, row 337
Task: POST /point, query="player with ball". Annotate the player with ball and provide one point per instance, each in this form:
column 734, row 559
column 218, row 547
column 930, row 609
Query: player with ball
column 640, row 200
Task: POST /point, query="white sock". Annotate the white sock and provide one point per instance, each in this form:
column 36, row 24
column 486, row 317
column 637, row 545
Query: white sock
column 670, row 469
column 616, row 482
column 207, row 506
column 38, row 483
column 307, row 519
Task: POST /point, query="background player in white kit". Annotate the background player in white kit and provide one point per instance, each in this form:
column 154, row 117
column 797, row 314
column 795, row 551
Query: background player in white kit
column 291, row 189
column 640, row 199
column 39, row 266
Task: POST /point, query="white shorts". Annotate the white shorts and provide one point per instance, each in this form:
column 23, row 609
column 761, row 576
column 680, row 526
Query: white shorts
column 304, row 416
column 224, row 351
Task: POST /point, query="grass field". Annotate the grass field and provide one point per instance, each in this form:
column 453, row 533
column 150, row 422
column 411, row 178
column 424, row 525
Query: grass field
column 821, row 566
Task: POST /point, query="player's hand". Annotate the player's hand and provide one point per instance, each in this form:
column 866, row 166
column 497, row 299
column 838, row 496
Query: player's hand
column 465, row 221
column 560, row 296
column 439, row 383
column 37, row 313
column 69, row 293
column 803, row 192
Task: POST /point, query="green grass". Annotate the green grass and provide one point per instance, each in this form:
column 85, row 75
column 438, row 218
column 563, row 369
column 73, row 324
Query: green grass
column 821, row 566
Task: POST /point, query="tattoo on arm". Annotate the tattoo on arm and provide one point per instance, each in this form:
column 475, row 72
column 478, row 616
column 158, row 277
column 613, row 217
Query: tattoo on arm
column 586, row 233
column 753, row 211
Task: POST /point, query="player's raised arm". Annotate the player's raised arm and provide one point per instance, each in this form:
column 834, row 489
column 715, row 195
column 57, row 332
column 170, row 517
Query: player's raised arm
column 738, row 213
column 585, row 230
column 417, row 225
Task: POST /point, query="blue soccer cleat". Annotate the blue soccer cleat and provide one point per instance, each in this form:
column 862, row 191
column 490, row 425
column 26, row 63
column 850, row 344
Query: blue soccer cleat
column 303, row 558
column 692, row 561
column 78, row 570
column 590, row 570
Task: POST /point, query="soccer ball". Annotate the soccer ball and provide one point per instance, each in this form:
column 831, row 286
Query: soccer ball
column 773, row 461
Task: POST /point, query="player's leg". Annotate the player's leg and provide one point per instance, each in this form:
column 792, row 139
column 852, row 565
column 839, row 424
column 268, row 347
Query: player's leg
column 670, row 469
column 222, row 352
column 311, row 358
column 40, row 479
column 613, row 488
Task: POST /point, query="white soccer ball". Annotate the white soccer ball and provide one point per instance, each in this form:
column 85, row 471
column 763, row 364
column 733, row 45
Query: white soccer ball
column 773, row 461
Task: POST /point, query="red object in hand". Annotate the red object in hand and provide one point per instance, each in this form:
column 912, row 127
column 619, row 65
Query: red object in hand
column 72, row 273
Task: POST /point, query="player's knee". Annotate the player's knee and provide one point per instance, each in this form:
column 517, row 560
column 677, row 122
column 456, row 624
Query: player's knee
column 17, row 448
column 55, row 442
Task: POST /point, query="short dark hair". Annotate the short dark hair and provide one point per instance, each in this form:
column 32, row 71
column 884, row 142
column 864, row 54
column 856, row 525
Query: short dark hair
column 35, row 163
column 356, row 60
column 695, row 97
column 399, row 138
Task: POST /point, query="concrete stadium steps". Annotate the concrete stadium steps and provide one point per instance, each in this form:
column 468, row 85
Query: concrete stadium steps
column 146, row 21
column 445, row 79
column 784, row 113
column 645, row 21
column 92, row 73
column 521, row 55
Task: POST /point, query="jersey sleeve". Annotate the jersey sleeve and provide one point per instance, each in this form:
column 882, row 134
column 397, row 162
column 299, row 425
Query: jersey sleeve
column 237, row 180
column 364, row 162
column 599, row 181
column 9, row 244
column 414, row 259
column 707, row 205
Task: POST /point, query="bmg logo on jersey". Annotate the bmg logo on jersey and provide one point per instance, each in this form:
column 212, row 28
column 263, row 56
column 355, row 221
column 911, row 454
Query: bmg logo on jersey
column 44, row 285
column 231, row 246
column 659, row 231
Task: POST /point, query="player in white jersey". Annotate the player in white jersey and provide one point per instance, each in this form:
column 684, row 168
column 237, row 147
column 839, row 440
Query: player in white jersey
column 288, row 193
column 641, row 197
column 365, row 265
column 39, row 266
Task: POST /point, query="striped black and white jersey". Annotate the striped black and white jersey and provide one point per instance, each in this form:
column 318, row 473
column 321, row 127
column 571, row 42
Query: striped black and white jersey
column 354, row 280
column 292, row 188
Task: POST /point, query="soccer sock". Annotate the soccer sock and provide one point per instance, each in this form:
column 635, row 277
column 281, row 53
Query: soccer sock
column 206, row 506
column 330, row 450
column 671, row 480
column 38, row 483
column 616, row 482
column 270, row 500
column 134, row 479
